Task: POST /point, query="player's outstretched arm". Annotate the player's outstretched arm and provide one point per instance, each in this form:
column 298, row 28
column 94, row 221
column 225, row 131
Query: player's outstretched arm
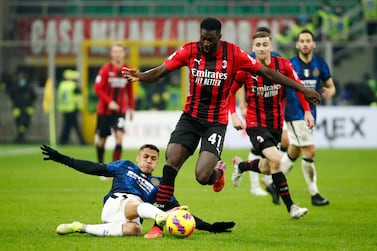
column 310, row 94
column 151, row 75
column 216, row 227
column 84, row 166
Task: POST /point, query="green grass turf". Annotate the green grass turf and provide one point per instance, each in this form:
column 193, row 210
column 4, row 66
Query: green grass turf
column 38, row 195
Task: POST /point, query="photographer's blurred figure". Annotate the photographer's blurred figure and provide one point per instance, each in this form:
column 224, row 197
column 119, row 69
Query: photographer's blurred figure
column 69, row 104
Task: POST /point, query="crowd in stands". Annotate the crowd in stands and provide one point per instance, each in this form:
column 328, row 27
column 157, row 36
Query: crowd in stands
column 370, row 16
column 328, row 23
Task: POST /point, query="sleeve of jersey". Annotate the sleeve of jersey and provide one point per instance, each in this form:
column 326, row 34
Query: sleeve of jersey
column 246, row 62
column 232, row 96
column 291, row 73
column 89, row 167
column 325, row 71
column 178, row 59
column 304, row 104
column 99, row 85
column 131, row 99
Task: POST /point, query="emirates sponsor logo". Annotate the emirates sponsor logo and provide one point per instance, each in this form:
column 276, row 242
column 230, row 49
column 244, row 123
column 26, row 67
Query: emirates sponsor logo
column 206, row 77
column 116, row 82
column 266, row 90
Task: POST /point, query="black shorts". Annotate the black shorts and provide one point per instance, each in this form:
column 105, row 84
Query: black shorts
column 261, row 138
column 189, row 131
column 106, row 123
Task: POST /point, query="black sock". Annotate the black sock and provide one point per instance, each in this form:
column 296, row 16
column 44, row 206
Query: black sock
column 166, row 189
column 100, row 154
column 216, row 174
column 281, row 184
column 249, row 166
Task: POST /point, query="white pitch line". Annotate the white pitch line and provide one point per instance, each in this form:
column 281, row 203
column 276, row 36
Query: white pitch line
column 18, row 151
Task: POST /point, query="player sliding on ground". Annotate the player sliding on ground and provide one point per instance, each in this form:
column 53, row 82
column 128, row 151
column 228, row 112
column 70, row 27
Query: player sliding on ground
column 128, row 201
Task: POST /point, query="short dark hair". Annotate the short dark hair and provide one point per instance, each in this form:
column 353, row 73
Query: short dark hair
column 305, row 31
column 263, row 28
column 211, row 24
column 150, row 146
column 260, row 34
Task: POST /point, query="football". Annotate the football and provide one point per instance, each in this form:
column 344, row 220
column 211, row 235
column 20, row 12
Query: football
column 180, row 223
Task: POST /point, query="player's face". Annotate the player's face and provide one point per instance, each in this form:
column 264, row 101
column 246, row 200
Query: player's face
column 305, row 44
column 209, row 41
column 117, row 54
column 147, row 160
column 262, row 47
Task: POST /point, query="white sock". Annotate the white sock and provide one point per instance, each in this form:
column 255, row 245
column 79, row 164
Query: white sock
column 106, row 229
column 252, row 156
column 267, row 179
column 286, row 163
column 310, row 175
column 254, row 180
column 147, row 211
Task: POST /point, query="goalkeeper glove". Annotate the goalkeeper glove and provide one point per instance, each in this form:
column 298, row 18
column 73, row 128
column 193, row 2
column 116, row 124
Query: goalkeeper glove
column 54, row 155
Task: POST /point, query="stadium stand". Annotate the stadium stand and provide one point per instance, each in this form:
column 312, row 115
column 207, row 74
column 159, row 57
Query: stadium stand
column 171, row 7
column 14, row 10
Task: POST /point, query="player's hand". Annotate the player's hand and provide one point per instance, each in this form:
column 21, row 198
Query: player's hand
column 327, row 92
column 113, row 106
column 51, row 154
column 131, row 74
column 309, row 119
column 312, row 96
column 222, row 227
column 236, row 122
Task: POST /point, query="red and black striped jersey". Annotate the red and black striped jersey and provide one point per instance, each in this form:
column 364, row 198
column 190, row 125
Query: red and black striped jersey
column 210, row 78
column 265, row 99
column 110, row 85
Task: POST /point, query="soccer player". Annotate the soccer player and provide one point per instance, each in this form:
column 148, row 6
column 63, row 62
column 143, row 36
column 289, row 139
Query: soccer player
column 255, row 186
column 212, row 65
column 265, row 101
column 128, row 201
column 115, row 98
column 312, row 70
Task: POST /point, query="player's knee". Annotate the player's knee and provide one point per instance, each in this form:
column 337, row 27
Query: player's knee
column 274, row 164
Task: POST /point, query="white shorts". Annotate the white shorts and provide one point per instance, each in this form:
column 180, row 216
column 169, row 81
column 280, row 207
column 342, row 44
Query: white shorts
column 113, row 209
column 299, row 134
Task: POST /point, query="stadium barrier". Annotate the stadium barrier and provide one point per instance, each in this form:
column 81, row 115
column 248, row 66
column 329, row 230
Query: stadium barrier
column 337, row 127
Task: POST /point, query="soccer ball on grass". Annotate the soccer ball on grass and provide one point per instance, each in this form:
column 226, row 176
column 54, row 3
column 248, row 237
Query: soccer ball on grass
column 180, row 223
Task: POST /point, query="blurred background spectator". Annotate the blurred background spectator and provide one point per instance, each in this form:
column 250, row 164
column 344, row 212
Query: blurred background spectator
column 359, row 93
column 69, row 103
column 23, row 96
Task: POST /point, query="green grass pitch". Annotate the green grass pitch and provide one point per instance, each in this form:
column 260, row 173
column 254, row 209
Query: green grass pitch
column 38, row 195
